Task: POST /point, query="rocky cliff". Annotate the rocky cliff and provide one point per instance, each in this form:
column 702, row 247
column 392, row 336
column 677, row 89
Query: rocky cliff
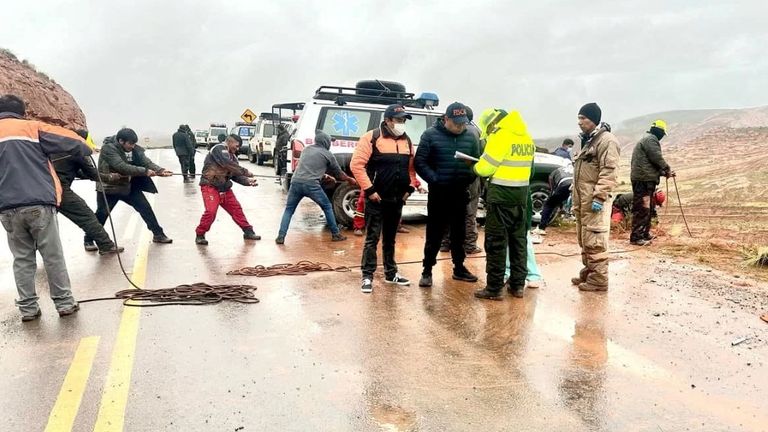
column 46, row 100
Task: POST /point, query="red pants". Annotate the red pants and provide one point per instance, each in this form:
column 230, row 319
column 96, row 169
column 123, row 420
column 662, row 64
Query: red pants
column 212, row 199
column 358, row 222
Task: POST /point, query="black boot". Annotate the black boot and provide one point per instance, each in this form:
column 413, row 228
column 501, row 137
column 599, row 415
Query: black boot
column 248, row 234
column 516, row 290
column 426, row 278
column 488, row 294
column 162, row 238
column 201, row 240
column 462, row 274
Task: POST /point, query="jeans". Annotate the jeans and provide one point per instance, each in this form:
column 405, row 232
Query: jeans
column 381, row 220
column 559, row 197
column 212, row 200
column 135, row 199
column 447, row 207
column 32, row 229
column 313, row 191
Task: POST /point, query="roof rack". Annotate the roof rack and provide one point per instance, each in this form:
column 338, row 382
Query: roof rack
column 343, row 95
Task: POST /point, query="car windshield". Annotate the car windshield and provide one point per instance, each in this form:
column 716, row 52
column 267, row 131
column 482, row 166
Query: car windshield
column 201, row 134
column 247, row 132
column 218, row 131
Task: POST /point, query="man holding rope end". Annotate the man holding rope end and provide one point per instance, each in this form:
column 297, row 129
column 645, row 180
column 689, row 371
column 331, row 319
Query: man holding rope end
column 219, row 170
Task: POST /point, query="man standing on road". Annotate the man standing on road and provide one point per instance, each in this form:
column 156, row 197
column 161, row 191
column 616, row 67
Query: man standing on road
column 316, row 160
column 560, row 181
column 448, row 179
column 594, row 180
column 73, row 207
column 29, row 195
column 219, row 170
column 383, row 167
column 508, row 161
column 564, row 151
column 648, row 165
column 122, row 156
column 185, row 151
column 281, row 143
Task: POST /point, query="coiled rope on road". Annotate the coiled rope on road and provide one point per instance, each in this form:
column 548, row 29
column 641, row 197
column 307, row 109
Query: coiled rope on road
column 301, row 268
column 197, row 294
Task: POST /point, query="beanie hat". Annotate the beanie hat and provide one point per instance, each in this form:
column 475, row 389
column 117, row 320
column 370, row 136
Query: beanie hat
column 592, row 112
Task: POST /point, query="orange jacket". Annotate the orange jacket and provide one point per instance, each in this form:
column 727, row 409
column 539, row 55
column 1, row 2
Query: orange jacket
column 386, row 169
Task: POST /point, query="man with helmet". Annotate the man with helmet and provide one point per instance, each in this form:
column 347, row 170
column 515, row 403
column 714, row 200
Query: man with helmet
column 648, row 165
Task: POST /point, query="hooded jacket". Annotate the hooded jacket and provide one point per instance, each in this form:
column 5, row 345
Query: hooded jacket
column 133, row 174
column 316, row 160
column 435, row 161
column 221, row 168
column 647, row 161
column 595, row 167
column 27, row 176
column 182, row 144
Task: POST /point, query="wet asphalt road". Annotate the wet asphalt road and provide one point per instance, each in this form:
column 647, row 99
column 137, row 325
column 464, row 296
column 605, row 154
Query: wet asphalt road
column 653, row 354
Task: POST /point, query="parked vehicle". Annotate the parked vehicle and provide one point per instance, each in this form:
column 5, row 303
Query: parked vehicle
column 201, row 138
column 245, row 131
column 214, row 131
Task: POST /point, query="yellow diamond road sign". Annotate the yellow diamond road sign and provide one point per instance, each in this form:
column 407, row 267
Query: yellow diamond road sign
column 248, row 116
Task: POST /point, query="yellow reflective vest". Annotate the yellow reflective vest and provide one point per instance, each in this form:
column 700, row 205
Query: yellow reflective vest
column 509, row 152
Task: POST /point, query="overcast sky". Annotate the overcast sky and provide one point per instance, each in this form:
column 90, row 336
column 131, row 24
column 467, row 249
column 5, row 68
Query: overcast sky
column 154, row 64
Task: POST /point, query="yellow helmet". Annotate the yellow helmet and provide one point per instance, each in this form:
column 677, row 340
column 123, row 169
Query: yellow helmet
column 661, row 124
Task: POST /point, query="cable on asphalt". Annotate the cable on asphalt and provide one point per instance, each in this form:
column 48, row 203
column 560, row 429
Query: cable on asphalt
column 196, row 294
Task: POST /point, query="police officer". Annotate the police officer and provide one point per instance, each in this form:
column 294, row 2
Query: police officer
column 508, row 162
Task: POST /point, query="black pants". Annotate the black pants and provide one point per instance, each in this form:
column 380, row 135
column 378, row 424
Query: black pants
column 642, row 191
column 446, row 208
column 505, row 233
column 187, row 164
column 75, row 209
column 381, row 219
column 135, row 199
column 559, row 197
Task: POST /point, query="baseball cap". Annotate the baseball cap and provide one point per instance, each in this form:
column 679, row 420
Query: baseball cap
column 457, row 112
column 396, row 111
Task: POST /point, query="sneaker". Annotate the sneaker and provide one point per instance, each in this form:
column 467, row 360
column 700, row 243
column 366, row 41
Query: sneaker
column 111, row 250
column 201, row 240
column 538, row 231
column 516, row 291
column 250, row 235
column 461, row 273
column 398, row 280
column 487, row 294
column 358, row 232
column 367, row 286
column 71, row 311
column 591, row 288
column 280, row 240
column 90, row 247
column 161, row 239
column 533, row 284
column 403, row 230
column 28, row 318
column 425, row 281
column 641, row 242
column 536, row 239
column 338, row 237
column 473, row 251
column 445, row 248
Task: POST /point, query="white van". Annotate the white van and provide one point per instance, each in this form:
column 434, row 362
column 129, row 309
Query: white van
column 262, row 143
column 245, row 131
column 346, row 113
column 214, row 131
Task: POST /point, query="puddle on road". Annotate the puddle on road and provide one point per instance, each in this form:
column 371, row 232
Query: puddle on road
column 394, row 419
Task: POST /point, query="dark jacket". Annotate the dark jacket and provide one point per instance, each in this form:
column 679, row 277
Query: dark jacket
column 561, row 175
column 70, row 167
column 113, row 160
column 623, row 202
column 27, row 176
column 181, row 143
column 435, row 161
column 221, row 167
column 647, row 162
column 563, row 153
column 386, row 166
column 282, row 139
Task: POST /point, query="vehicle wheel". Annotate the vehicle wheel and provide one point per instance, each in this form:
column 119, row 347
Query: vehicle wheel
column 376, row 87
column 345, row 203
column 540, row 192
column 252, row 157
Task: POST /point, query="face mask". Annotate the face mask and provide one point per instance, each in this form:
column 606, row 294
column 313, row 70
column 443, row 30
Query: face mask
column 398, row 129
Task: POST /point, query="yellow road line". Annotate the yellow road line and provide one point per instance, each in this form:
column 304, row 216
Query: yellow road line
column 67, row 404
column 115, row 396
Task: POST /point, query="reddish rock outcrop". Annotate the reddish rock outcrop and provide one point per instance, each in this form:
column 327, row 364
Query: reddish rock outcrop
column 46, row 100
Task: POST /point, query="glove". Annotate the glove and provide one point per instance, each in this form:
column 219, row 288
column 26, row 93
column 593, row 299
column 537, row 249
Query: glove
column 597, row 206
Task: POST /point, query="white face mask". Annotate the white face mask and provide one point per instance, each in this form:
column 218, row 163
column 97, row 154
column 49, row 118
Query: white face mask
column 398, row 129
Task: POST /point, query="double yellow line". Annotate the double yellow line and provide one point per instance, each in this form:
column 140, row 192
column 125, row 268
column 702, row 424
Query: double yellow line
column 114, row 398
